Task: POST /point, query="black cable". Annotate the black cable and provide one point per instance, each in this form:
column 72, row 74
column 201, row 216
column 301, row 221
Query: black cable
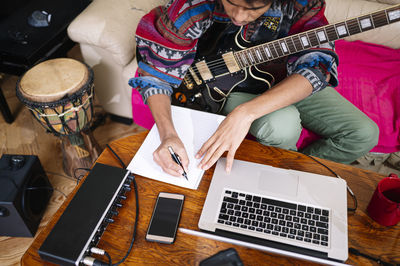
column 348, row 188
column 116, row 155
column 108, row 257
column 48, row 188
column 78, row 179
column 137, row 210
column 377, row 260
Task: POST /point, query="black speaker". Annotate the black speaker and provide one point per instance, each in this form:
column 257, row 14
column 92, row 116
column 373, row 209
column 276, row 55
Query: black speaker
column 25, row 191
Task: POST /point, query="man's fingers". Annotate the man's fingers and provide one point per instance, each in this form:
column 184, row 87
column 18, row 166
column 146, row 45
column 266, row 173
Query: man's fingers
column 173, row 169
column 214, row 157
column 229, row 161
column 167, row 164
column 210, row 151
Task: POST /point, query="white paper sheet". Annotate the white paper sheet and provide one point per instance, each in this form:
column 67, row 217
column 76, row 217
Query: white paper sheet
column 194, row 128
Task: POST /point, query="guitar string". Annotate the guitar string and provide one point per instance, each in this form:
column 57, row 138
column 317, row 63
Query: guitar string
column 213, row 65
column 220, row 63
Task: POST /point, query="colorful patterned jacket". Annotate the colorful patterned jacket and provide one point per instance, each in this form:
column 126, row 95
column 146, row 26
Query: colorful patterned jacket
column 167, row 39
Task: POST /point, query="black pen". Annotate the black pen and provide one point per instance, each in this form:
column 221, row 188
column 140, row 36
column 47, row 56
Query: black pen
column 176, row 159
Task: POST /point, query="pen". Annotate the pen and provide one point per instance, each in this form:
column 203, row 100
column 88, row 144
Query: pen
column 176, row 159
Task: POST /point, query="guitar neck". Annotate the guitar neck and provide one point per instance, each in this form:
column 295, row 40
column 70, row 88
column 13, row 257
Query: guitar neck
column 302, row 41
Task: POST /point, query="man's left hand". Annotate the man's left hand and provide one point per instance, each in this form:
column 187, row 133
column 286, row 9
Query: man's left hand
column 228, row 137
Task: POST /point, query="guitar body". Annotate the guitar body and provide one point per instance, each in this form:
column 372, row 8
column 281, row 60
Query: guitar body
column 210, row 95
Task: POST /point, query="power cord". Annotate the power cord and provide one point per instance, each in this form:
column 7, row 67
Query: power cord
column 377, row 260
column 95, row 262
column 78, row 179
column 348, row 188
column 47, row 188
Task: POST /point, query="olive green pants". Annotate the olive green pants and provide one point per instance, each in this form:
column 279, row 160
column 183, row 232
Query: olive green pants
column 346, row 133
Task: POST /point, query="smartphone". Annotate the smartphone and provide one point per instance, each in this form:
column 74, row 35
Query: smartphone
column 165, row 218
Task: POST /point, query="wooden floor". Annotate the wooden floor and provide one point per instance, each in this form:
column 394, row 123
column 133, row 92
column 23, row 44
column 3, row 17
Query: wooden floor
column 26, row 136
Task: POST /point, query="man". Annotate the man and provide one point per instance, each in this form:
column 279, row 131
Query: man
column 167, row 40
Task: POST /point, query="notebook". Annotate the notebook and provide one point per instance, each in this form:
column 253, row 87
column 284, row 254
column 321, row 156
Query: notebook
column 194, row 128
column 286, row 210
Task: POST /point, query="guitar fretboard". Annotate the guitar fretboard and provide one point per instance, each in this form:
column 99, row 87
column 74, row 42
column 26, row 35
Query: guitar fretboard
column 302, row 41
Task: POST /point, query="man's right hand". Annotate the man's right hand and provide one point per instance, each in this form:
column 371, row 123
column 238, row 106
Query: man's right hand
column 160, row 107
column 163, row 157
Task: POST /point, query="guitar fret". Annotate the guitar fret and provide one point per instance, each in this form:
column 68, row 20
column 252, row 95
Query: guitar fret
column 259, row 55
column 353, row 26
column 365, row 23
column 278, row 48
column 243, row 55
column 273, row 51
column 341, row 30
column 284, row 47
column 297, row 42
column 387, row 17
column 379, row 19
column 267, row 51
column 290, row 44
column 372, row 20
column 331, row 32
column 261, row 50
column 238, row 59
column 254, row 54
column 251, row 61
column 321, row 34
column 312, row 36
column 305, row 41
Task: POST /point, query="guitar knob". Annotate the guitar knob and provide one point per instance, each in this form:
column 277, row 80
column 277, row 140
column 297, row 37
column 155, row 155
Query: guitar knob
column 180, row 97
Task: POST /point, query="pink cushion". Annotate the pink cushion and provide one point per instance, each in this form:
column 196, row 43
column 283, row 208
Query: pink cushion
column 369, row 77
column 141, row 113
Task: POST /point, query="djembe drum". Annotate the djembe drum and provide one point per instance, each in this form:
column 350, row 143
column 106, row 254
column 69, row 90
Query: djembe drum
column 59, row 94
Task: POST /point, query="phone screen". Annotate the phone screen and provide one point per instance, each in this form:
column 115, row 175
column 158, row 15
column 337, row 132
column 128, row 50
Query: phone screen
column 165, row 219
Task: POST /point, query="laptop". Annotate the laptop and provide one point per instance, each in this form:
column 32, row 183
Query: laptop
column 283, row 211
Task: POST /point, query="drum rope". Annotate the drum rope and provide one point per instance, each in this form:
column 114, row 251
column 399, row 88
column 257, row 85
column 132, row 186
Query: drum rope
column 73, row 109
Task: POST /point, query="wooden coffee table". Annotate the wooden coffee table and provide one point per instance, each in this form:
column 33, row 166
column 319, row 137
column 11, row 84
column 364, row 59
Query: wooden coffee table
column 364, row 234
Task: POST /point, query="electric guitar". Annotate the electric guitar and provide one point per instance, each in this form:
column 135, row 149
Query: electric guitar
column 216, row 73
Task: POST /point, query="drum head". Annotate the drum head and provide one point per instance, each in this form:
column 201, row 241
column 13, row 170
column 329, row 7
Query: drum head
column 53, row 79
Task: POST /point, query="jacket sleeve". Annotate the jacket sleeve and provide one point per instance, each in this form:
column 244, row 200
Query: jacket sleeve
column 167, row 42
column 314, row 64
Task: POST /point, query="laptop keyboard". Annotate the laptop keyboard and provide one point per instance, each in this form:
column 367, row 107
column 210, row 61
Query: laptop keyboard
column 273, row 217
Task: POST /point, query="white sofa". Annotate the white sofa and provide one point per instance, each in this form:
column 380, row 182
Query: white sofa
column 106, row 29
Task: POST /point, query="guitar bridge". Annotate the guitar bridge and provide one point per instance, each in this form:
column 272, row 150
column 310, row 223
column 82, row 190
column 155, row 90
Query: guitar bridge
column 195, row 77
column 188, row 82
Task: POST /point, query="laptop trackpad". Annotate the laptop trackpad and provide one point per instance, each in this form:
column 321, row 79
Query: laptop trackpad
column 281, row 183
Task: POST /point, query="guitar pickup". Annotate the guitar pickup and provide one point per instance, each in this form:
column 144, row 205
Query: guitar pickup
column 230, row 62
column 204, row 71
